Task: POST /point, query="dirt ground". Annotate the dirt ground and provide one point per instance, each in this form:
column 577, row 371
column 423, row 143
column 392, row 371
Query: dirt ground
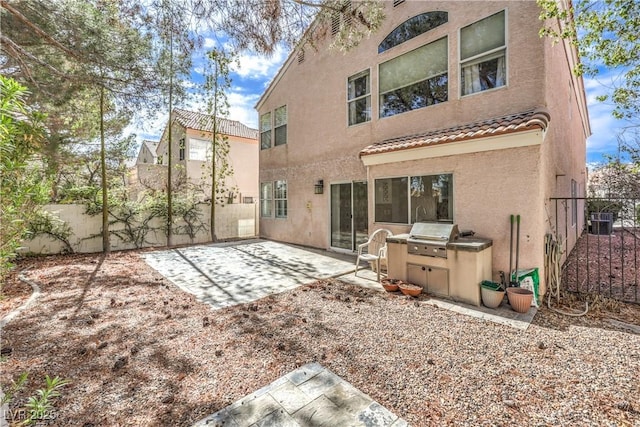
column 607, row 265
column 138, row 351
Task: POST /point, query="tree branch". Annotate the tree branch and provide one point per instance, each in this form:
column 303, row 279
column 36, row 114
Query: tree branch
column 19, row 16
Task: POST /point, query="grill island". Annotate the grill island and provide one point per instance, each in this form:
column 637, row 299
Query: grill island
column 436, row 257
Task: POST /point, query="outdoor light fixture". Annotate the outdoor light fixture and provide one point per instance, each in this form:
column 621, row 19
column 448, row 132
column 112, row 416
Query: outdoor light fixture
column 319, row 187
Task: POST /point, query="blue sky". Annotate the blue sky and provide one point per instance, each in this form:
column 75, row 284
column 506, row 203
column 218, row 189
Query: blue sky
column 252, row 74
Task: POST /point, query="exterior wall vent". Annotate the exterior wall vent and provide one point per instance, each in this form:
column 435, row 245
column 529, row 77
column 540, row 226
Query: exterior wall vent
column 397, row 3
column 300, row 56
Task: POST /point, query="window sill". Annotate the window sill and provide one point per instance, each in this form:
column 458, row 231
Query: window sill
column 484, row 91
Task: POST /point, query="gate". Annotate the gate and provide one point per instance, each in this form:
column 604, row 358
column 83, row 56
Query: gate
column 606, row 257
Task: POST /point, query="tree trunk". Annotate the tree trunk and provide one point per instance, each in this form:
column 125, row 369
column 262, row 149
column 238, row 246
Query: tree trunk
column 169, row 146
column 106, row 244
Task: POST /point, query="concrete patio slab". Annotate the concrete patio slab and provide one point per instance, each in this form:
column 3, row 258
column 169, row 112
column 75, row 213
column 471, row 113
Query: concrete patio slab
column 308, row 396
column 222, row 275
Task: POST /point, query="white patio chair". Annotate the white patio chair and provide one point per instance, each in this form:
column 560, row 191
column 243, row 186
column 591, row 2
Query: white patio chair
column 376, row 249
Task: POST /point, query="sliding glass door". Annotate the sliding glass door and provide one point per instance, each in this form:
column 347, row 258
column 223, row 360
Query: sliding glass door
column 349, row 217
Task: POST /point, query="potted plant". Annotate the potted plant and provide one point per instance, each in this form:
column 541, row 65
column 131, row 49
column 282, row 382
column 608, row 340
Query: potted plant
column 492, row 293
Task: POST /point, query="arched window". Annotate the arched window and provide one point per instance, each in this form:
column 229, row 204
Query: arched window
column 413, row 27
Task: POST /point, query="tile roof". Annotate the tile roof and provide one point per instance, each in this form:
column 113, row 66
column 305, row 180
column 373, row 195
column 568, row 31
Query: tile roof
column 531, row 119
column 204, row 122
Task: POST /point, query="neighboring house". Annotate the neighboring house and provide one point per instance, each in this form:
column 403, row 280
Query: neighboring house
column 454, row 111
column 191, row 151
column 147, row 153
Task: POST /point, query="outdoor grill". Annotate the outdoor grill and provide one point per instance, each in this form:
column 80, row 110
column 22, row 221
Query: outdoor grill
column 431, row 239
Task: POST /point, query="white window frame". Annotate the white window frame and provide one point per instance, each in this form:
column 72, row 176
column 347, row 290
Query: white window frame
column 279, row 125
column 264, row 129
column 193, row 142
column 358, row 98
column 282, row 199
column 484, row 56
column 266, row 200
column 429, row 77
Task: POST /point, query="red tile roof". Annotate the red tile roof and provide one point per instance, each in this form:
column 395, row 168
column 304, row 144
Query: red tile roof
column 204, row 122
column 528, row 120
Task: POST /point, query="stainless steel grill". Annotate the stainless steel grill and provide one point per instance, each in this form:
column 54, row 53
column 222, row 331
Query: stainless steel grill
column 431, row 239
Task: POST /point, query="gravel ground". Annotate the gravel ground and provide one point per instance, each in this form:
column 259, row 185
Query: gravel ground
column 138, row 351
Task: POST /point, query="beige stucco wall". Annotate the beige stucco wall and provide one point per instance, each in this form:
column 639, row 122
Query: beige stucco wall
column 232, row 221
column 488, row 186
column 564, row 160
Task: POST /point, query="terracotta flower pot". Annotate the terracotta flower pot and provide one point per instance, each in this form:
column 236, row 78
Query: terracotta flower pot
column 390, row 285
column 520, row 299
column 411, row 290
column 491, row 298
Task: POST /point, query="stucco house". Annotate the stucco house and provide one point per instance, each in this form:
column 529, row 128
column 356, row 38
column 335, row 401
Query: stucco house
column 148, row 152
column 453, row 112
column 191, row 150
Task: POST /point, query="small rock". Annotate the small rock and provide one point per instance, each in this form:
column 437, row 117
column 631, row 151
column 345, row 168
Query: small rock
column 185, row 307
column 168, row 316
column 168, row 399
column 281, row 347
column 542, row 345
column 624, row 406
column 205, row 322
column 134, row 350
column 253, row 307
column 102, row 345
column 430, row 362
column 510, row 403
column 113, row 302
column 63, row 318
column 6, row 351
column 245, row 315
column 417, row 304
column 218, row 353
column 121, row 361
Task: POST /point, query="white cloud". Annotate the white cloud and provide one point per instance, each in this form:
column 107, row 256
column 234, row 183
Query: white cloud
column 241, row 108
column 254, row 66
column 209, row 43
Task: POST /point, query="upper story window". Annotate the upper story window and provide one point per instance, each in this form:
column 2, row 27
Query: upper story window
column 413, row 27
column 199, row 149
column 265, row 131
column 483, row 54
column 416, row 79
column 359, row 98
column 280, row 125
